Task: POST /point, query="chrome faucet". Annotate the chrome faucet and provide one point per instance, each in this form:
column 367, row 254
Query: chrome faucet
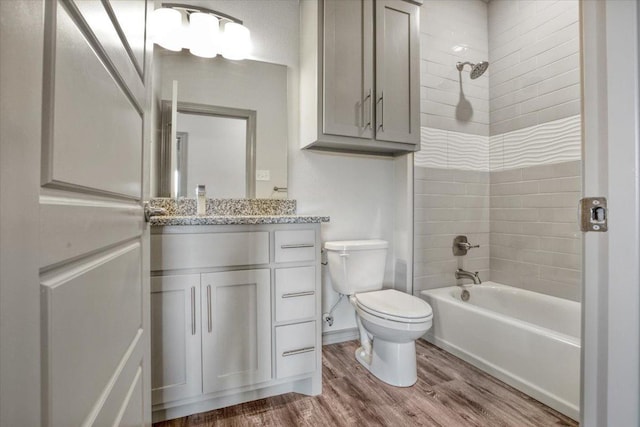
column 460, row 273
column 201, row 200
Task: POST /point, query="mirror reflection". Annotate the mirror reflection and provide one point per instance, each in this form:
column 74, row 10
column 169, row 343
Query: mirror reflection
column 214, row 98
column 213, row 146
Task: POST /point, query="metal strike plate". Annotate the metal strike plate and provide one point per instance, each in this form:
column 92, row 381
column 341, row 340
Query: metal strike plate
column 593, row 214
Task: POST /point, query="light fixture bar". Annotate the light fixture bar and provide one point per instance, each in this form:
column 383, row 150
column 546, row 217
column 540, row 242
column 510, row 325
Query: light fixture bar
column 192, row 9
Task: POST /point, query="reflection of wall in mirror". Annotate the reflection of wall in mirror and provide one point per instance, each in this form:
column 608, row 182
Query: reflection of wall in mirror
column 251, row 85
column 216, row 146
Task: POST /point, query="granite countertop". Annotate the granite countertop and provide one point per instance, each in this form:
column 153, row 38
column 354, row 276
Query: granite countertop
column 231, row 212
column 235, row 219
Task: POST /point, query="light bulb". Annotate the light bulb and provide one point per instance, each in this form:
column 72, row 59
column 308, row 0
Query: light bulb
column 236, row 41
column 204, row 34
column 166, row 28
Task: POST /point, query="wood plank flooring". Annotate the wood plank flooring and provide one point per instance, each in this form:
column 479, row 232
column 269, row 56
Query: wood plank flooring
column 449, row 393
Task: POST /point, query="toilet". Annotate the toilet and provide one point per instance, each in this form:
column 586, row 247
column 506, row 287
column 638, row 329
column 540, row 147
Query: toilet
column 389, row 321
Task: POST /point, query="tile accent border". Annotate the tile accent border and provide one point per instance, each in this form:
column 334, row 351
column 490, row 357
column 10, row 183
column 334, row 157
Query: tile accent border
column 557, row 141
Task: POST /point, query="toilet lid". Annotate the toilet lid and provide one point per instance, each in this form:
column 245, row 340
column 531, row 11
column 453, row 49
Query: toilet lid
column 394, row 305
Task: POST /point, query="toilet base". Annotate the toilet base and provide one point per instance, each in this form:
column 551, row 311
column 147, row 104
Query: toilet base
column 391, row 362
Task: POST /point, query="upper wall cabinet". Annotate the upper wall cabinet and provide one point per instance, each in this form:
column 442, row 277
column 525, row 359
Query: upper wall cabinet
column 360, row 76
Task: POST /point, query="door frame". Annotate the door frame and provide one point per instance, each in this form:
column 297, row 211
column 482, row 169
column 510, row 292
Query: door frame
column 610, row 393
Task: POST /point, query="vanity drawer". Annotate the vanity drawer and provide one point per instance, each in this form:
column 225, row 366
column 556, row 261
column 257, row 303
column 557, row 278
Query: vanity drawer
column 295, row 245
column 295, row 349
column 295, row 293
column 194, row 250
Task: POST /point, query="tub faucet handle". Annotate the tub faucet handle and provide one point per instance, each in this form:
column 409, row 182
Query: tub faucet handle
column 461, row 245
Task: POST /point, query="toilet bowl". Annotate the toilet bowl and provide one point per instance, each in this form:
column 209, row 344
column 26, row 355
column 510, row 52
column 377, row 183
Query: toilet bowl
column 389, row 321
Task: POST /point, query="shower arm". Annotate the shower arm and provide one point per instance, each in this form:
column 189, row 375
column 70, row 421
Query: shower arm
column 460, row 65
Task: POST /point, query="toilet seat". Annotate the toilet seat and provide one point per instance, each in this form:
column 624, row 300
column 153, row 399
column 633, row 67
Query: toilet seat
column 394, row 305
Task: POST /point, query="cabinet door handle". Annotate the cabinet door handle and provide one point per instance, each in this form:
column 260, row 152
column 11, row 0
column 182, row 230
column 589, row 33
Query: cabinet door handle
column 299, row 351
column 381, row 102
column 300, row 245
column 298, row 294
column 209, row 322
column 193, row 310
column 370, row 98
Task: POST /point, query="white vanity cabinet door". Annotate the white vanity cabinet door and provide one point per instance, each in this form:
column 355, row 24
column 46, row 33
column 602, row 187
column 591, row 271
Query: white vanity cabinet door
column 175, row 338
column 236, row 340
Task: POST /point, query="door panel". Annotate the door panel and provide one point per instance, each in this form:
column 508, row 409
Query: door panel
column 236, row 343
column 69, row 233
column 105, row 25
column 397, row 72
column 131, row 413
column 348, row 68
column 131, row 18
column 93, row 121
column 88, row 341
column 93, row 242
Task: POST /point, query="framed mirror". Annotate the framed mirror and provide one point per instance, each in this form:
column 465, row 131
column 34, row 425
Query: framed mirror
column 215, row 146
column 223, row 91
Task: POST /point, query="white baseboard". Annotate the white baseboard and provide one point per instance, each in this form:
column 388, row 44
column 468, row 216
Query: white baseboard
column 335, row 337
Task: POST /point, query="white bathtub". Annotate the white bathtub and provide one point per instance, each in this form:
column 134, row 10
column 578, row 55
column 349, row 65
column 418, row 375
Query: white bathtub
column 526, row 339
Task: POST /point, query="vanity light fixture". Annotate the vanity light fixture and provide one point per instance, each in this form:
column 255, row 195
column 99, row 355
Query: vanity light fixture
column 205, row 32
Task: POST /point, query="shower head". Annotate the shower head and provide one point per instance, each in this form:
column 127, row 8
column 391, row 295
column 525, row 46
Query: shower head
column 476, row 69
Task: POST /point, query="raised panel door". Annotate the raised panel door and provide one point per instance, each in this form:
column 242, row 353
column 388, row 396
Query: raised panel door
column 175, row 338
column 236, row 319
column 348, row 68
column 397, row 72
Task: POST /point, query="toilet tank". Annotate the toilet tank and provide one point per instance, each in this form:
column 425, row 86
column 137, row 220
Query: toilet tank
column 356, row 265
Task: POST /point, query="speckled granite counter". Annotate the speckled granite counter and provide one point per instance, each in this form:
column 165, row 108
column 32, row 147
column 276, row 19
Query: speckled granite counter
column 236, row 219
column 231, row 212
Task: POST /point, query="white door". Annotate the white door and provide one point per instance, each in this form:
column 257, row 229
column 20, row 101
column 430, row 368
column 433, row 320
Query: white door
column 74, row 286
column 611, row 297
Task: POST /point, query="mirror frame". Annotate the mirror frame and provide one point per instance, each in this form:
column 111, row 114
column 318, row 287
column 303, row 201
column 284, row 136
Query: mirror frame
column 164, row 186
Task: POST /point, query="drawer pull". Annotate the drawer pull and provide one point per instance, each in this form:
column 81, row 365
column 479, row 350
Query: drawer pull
column 298, row 294
column 299, row 245
column 193, row 310
column 299, row 351
column 209, row 308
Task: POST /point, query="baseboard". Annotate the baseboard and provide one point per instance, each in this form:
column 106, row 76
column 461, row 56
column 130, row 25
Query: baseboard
column 335, row 337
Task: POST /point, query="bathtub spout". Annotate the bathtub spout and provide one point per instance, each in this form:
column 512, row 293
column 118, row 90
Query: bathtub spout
column 460, row 273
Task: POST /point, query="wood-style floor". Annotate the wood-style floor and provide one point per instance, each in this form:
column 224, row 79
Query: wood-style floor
column 449, row 393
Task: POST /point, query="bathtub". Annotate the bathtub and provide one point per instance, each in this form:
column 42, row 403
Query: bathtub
column 528, row 340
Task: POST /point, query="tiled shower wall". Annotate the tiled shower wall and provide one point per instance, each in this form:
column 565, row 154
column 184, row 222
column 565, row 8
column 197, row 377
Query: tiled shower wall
column 535, row 241
column 535, row 62
column 530, row 163
column 449, row 202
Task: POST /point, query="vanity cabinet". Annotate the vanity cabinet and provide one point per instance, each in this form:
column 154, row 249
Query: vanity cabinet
column 360, row 75
column 235, row 315
column 236, row 340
